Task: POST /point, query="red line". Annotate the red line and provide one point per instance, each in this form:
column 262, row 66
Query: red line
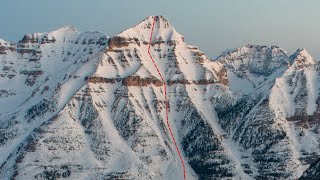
column 166, row 101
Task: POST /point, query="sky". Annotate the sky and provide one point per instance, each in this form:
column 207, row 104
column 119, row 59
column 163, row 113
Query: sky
column 212, row 25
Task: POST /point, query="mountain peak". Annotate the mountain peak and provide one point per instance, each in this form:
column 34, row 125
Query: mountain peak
column 257, row 59
column 301, row 58
column 72, row 28
column 250, row 49
column 159, row 20
column 62, row 34
column 303, row 52
column 66, row 30
column 3, row 42
column 162, row 30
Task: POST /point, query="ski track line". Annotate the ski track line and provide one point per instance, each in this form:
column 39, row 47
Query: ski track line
column 166, row 101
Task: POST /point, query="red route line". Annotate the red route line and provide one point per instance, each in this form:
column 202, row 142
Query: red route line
column 166, row 101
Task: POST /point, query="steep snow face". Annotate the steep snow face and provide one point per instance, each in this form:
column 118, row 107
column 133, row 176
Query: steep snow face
column 250, row 66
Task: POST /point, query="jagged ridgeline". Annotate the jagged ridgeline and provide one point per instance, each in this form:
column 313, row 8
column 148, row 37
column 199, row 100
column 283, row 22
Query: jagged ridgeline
column 86, row 106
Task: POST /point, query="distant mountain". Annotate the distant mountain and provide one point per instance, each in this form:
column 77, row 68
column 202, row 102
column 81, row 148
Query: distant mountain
column 89, row 106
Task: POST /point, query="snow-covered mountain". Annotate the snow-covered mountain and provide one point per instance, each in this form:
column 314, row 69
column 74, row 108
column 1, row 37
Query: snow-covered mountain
column 87, row 106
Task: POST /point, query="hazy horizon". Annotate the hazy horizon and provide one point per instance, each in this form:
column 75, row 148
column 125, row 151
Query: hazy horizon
column 213, row 26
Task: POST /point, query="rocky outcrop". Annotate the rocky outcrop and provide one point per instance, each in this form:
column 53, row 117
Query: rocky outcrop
column 117, row 42
column 47, row 40
column 121, row 42
column 2, row 50
column 5, row 46
column 32, row 38
column 138, row 81
column 178, row 81
column 96, row 80
column 5, row 93
column 307, row 121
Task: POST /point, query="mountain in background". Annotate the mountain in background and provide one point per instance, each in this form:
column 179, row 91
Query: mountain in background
column 87, row 106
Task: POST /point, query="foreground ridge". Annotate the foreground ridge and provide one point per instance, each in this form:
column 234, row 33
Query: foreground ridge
column 166, row 101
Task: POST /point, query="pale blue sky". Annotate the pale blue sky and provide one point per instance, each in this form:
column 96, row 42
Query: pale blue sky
column 213, row 25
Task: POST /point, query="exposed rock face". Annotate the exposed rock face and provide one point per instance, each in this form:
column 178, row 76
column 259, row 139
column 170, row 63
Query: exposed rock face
column 137, row 81
column 81, row 106
column 117, row 42
column 96, row 80
column 5, row 46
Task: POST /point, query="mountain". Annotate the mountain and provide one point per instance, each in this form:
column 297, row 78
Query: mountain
column 88, row 106
column 277, row 122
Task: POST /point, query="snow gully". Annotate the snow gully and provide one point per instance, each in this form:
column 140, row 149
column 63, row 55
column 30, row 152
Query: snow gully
column 166, row 101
